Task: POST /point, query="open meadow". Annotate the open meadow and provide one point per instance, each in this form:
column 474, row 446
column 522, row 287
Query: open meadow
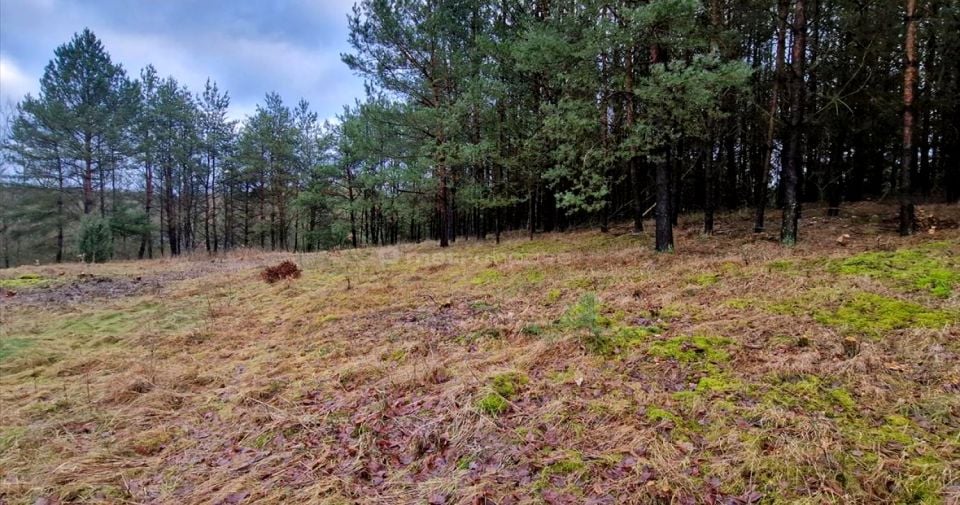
column 572, row 368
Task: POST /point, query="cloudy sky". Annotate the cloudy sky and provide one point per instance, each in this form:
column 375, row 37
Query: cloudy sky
column 249, row 47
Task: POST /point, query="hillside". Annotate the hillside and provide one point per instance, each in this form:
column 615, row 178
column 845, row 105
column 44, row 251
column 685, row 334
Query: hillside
column 572, row 368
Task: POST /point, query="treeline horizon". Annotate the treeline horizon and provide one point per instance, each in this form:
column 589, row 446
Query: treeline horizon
column 484, row 116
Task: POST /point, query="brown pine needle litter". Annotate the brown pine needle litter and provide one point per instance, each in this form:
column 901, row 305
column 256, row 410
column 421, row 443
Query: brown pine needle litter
column 573, row 368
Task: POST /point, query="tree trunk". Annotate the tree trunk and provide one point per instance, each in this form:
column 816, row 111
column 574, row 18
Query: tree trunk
column 87, row 174
column 146, row 242
column 794, row 155
column 60, row 217
column 709, row 188
column 664, row 214
column 909, row 88
column 783, row 9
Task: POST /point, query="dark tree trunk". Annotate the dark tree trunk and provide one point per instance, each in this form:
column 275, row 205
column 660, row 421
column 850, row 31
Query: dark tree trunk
column 146, row 241
column 834, row 175
column 794, row 154
column 783, row 9
column 905, row 191
column 60, row 217
column 709, row 188
column 664, row 214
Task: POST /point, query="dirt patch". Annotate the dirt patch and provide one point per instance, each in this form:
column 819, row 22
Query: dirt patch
column 85, row 287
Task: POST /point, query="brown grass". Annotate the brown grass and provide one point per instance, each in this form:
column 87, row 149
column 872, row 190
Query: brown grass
column 214, row 388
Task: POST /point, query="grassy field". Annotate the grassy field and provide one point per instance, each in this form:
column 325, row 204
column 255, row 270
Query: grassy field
column 573, row 368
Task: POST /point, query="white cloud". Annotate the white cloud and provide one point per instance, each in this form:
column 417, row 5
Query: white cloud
column 14, row 81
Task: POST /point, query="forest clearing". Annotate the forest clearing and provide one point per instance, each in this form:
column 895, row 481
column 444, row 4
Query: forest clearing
column 581, row 367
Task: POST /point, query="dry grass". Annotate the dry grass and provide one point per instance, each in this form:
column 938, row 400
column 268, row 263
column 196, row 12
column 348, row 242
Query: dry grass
column 480, row 374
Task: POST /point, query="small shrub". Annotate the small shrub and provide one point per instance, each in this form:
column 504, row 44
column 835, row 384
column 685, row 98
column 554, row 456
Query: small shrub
column 285, row 270
column 96, row 240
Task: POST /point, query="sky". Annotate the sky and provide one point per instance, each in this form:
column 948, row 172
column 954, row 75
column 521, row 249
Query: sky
column 248, row 47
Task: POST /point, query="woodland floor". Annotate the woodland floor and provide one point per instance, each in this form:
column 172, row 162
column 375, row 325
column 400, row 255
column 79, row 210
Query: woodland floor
column 573, row 368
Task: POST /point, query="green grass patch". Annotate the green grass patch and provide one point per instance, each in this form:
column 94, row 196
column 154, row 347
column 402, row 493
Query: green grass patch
column 925, row 268
column 9, row 437
column 11, row 346
column 147, row 316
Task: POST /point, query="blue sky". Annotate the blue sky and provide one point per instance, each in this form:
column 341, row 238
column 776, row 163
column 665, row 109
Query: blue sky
column 248, row 47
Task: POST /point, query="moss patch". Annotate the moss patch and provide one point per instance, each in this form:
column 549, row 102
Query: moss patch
column 924, row 268
column 658, row 415
column 505, row 386
column 492, row 404
column 875, row 315
column 508, row 384
column 698, row 348
column 810, row 392
column 485, row 277
column 23, row 281
column 707, row 279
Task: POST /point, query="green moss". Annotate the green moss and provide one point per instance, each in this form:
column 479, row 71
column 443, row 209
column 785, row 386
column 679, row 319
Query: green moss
column 738, row 303
column 553, row 296
column 508, row 384
column 11, row 346
column 263, row 439
column 697, row 348
column 924, row 268
column 811, row 393
column 562, row 377
column 570, row 462
column 533, row 276
column 493, row 404
column 707, row 279
column 397, row 355
column 485, row 277
column 658, row 415
column 504, row 387
column 153, row 441
column 875, row 315
column 842, row 397
column 717, row 384
column 23, row 281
